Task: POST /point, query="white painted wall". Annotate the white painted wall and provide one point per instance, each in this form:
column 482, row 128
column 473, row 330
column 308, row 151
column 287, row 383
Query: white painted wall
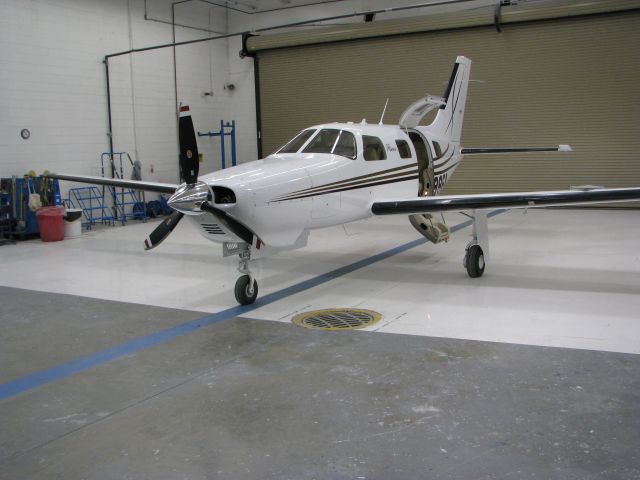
column 52, row 81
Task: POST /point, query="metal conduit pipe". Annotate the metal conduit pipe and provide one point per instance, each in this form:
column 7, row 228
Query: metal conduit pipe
column 158, row 20
column 286, row 25
column 277, row 9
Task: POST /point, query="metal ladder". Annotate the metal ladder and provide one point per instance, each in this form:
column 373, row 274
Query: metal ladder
column 91, row 201
column 127, row 203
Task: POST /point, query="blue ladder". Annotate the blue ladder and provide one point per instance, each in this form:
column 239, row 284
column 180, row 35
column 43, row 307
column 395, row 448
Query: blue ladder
column 127, row 197
column 91, row 201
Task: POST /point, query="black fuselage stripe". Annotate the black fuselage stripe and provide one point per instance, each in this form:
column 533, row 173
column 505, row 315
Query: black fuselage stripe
column 322, row 190
column 441, row 160
column 414, row 176
column 437, row 159
column 348, row 180
column 440, row 172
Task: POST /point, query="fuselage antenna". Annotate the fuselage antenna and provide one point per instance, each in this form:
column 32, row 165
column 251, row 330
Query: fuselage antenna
column 384, row 110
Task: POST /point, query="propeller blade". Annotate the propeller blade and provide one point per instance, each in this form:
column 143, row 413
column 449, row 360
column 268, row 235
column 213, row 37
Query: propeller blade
column 162, row 231
column 189, row 164
column 238, row 229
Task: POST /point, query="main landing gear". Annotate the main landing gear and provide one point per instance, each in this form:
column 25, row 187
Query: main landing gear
column 246, row 290
column 477, row 251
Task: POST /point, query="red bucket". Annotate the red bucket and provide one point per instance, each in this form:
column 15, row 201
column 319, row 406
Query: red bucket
column 51, row 223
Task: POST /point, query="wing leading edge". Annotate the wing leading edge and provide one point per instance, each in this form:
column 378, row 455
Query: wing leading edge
column 504, row 200
column 116, row 182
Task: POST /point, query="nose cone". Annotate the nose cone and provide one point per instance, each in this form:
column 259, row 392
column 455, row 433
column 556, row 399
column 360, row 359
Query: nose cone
column 188, row 198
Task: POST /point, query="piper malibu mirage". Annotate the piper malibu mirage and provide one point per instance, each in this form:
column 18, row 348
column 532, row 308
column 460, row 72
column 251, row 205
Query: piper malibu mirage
column 341, row 172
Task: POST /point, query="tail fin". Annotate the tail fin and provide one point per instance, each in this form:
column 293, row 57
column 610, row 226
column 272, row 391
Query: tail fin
column 448, row 121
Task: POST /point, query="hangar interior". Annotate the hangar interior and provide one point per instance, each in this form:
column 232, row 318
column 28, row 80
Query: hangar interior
column 116, row 362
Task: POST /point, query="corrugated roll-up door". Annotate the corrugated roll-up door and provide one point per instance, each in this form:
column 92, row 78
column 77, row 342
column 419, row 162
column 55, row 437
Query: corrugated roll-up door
column 538, row 83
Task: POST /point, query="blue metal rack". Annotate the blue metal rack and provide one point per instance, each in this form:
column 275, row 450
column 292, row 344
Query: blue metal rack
column 222, row 134
column 24, row 221
column 91, row 201
column 6, row 217
column 130, row 198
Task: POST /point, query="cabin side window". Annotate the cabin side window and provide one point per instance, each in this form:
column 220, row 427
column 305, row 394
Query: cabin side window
column 346, row 145
column 373, row 148
column 323, row 142
column 403, row 149
column 297, row 142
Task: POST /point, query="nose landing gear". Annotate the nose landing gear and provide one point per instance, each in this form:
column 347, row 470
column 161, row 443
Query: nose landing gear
column 246, row 290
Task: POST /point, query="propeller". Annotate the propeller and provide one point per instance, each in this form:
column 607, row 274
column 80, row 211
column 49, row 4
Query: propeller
column 189, row 162
column 192, row 197
column 163, row 230
column 238, row 229
column 189, row 166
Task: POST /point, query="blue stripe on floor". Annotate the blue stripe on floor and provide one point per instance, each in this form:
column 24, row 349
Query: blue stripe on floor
column 58, row 372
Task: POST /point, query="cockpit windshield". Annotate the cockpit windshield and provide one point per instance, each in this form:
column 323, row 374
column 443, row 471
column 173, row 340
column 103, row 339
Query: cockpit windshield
column 294, row 145
column 329, row 140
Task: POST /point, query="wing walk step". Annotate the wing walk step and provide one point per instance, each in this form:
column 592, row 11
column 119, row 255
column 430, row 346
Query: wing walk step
column 431, row 229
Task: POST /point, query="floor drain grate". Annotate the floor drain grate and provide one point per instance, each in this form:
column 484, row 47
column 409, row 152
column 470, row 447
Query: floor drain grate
column 337, row 319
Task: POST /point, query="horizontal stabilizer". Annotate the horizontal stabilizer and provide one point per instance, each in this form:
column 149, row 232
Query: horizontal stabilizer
column 492, row 150
column 116, row 182
column 504, row 200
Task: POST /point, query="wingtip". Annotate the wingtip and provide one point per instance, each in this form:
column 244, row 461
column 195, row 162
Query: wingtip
column 565, row 148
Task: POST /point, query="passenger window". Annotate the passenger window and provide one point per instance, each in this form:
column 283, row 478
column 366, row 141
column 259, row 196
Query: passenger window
column 373, row 148
column 346, row 145
column 403, row 149
column 294, row 145
column 323, row 142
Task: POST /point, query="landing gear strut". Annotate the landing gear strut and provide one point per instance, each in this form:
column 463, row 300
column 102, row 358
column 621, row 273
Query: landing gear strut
column 477, row 251
column 246, row 290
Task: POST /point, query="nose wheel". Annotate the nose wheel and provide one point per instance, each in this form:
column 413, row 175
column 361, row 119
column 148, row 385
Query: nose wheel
column 246, row 292
column 246, row 289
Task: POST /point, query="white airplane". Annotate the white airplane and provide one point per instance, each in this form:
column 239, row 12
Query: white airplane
column 337, row 173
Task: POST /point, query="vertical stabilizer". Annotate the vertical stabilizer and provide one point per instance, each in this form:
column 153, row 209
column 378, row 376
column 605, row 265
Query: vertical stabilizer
column 448, row 121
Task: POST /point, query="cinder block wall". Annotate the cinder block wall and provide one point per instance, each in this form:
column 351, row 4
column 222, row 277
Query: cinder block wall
column 52, row 81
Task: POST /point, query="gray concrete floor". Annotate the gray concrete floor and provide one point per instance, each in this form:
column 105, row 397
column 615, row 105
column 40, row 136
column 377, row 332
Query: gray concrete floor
column 252, row 399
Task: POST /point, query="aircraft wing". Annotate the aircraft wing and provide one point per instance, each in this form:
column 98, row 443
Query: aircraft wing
column 504, row 200
column 116, row 182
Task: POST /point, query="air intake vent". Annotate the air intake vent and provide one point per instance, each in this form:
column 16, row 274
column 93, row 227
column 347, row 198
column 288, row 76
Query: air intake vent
column 212, row 228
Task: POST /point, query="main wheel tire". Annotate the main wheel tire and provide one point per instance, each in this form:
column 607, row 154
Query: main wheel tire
column 474, row 261
column 243, row 294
